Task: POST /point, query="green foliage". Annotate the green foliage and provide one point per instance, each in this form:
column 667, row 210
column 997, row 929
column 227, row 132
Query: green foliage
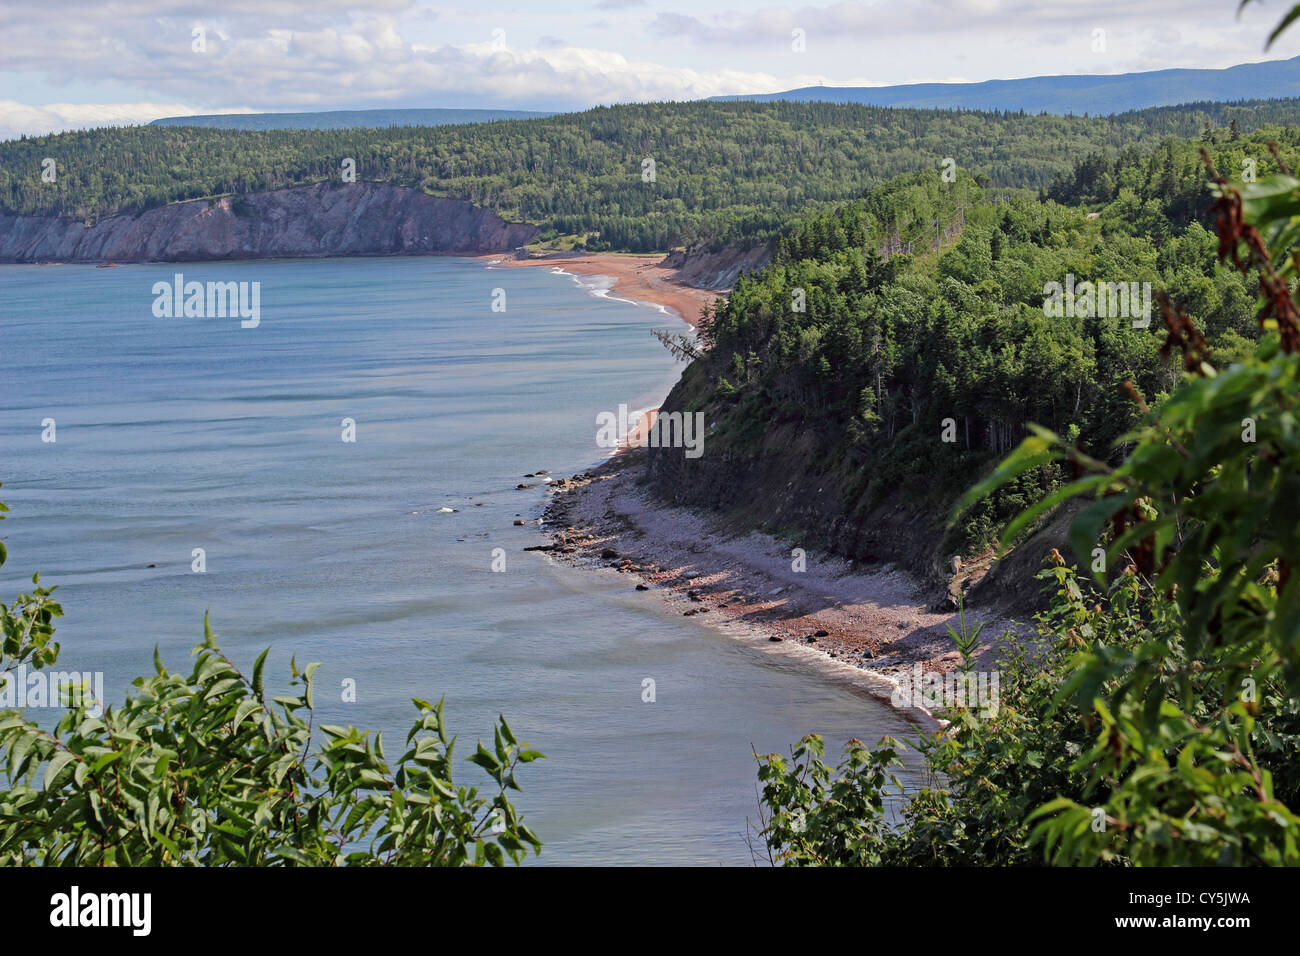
column 1205, row 517
column 1195, row 730
column 987, row 771
column 28, row 623
column 205, row 769
column 927, row 297
column 1180, row 770
column 1051, row 773
column 821, row 817
column 1158, row 722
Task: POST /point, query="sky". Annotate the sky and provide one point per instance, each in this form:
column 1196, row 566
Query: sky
column 67, row 64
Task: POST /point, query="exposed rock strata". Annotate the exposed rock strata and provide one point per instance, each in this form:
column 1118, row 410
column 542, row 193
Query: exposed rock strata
column 335, row 219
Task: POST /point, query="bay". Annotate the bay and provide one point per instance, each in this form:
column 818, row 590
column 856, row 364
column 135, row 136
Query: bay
column 180, row 433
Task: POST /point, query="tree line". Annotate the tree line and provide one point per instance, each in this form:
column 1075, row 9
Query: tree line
column 909, row 330
column 723, row 172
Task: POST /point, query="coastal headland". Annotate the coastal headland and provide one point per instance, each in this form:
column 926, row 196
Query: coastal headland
column 865, row 627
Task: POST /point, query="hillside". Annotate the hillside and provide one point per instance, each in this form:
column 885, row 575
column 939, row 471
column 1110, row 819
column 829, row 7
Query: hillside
column 639, row 178
column 898, row 346
column 1094, row 95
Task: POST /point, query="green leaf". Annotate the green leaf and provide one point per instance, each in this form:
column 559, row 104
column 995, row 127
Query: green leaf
column 1021, row 521
column 258, row 667
column 308, row 684
column 1034, row 451
column 60, row 760
column 1087, row 525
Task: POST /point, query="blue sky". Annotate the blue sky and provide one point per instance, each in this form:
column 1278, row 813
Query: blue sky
column 71, row 63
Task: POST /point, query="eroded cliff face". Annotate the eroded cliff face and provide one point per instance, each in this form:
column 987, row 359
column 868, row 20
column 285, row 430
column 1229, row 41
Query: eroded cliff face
column 720, row 269
column 329, row 219
column 773, row 478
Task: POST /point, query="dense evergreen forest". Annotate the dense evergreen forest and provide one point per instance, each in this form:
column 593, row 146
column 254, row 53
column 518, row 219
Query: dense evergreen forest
column 723, row 172
column 923, row 302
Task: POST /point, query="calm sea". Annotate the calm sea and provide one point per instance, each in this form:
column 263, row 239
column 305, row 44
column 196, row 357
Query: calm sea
column 174, row 434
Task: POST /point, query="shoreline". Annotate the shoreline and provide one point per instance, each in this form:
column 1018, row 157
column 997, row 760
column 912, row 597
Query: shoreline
column 857, row 627
column 640, row 278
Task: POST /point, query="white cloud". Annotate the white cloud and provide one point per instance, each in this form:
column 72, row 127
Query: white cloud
column 18, row 118
column 878, row 19
column 271, row 55
column 263, row 65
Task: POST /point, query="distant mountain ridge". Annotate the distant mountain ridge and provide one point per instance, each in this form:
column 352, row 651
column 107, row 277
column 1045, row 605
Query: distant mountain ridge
column 347, row 119
column 1076, row 94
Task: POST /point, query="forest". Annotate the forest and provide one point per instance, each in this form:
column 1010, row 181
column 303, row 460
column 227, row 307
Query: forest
column 723, row 172
column 1151, row 717
column 923, row 304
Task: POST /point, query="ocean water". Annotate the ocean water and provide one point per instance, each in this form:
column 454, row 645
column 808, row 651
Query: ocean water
column 180, row 433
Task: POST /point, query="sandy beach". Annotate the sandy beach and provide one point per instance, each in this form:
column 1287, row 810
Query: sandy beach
column 643, row 278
